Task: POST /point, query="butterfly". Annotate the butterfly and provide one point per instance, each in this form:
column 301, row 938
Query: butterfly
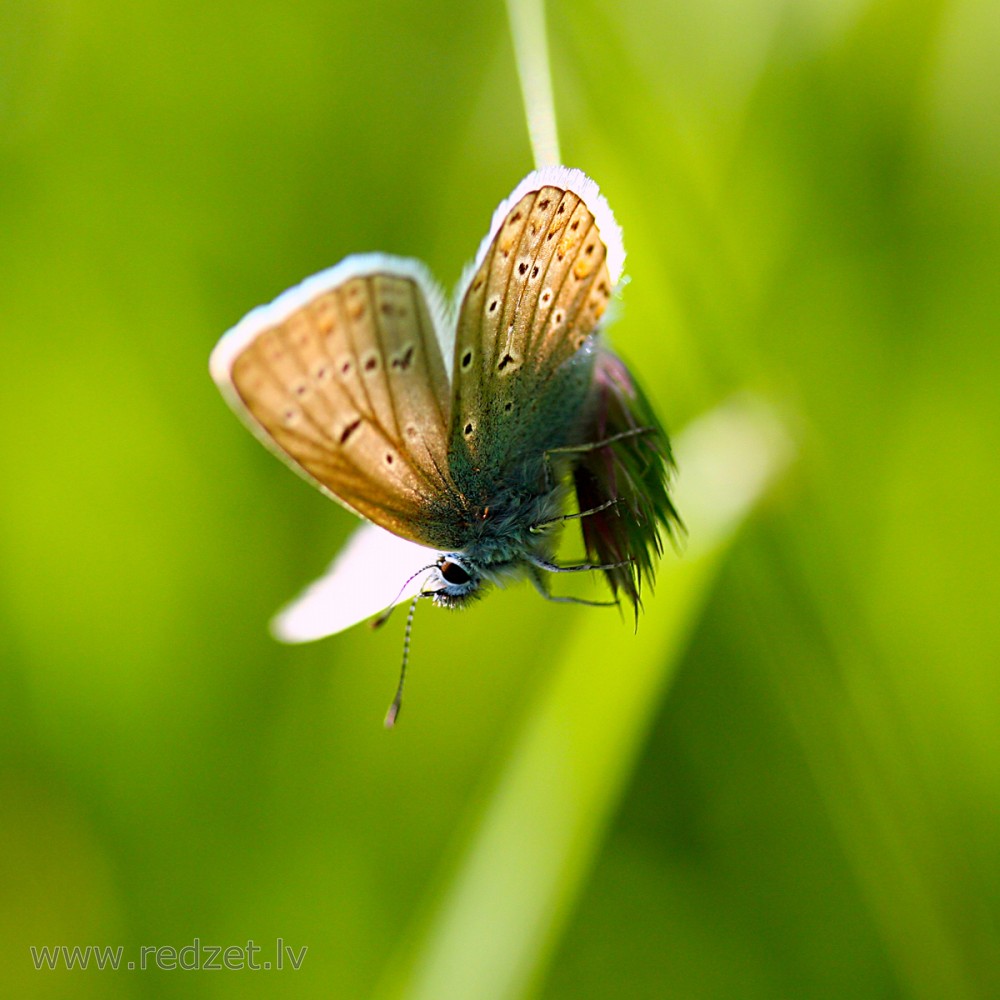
column 462, row 434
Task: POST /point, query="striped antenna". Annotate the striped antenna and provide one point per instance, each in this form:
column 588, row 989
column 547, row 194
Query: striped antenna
column 397, row 702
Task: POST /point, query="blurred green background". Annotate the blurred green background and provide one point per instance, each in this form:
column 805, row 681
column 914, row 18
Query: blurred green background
column 808, row 807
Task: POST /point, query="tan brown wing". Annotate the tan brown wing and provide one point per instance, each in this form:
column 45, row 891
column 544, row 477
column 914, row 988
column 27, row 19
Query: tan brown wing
column 538, row 288
column 343, row 378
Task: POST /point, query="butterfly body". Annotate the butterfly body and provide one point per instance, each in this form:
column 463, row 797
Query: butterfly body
column 507, row 496
column 500, row 534
column 466, row 432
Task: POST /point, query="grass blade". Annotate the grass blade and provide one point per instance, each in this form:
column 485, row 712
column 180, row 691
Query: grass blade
column 491, row 927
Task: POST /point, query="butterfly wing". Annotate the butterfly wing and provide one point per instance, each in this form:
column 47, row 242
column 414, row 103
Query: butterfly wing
column 364, row 579
column 539, row 285
column 527, row 373
column 343, row 378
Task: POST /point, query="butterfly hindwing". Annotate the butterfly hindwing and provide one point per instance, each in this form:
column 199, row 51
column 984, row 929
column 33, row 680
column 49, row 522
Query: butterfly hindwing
column 343, row 377
column 537, row 290
column 374, row 570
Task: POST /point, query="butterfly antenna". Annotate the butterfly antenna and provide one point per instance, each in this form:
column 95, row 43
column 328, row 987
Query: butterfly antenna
column 397, row 702
column 384, row 617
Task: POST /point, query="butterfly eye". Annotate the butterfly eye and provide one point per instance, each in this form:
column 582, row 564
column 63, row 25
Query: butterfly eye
column 453, row 573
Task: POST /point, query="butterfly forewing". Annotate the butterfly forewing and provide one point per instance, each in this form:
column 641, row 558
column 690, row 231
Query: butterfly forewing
column 344, row 378
column 537, row 292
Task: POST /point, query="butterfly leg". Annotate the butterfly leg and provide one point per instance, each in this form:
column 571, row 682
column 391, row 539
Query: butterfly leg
column 580, row 449
column 545, row 525
column 539, row 582
column 594, row 445
column 550, row 567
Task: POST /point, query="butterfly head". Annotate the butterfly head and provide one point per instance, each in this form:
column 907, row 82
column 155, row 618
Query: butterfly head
column 454, row 581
